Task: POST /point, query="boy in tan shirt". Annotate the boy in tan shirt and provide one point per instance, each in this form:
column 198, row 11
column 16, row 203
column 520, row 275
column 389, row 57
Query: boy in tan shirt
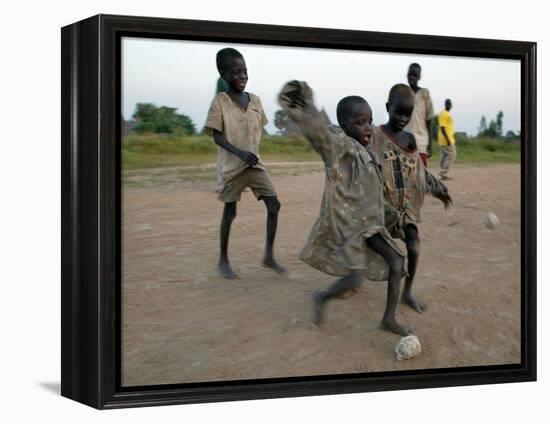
column 235, row 120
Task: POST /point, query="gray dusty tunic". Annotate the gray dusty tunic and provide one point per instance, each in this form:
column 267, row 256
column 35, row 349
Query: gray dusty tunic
column 352, row 208
column 405, row 181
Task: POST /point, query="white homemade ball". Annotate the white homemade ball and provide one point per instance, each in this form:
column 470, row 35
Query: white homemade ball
column 408, row 347
column 490, row 220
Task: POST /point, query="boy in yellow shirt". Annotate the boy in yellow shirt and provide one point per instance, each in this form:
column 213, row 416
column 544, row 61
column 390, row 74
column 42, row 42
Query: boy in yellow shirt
column 446, row 139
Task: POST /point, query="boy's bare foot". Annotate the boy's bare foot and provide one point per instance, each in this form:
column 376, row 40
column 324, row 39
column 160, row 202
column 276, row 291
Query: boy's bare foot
column 413, row 302
column 226, row 272
column 272, row 263
column 317, row 301
column 395, row 327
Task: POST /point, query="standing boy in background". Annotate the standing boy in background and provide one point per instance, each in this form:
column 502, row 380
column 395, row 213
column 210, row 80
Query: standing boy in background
column 235, row 120
column 420, row 124
column 446, row 139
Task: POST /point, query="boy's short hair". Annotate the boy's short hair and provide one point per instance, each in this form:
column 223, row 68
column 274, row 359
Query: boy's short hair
column 399, row 90
column 224, row 56
column 346, row 105
column 415, row 65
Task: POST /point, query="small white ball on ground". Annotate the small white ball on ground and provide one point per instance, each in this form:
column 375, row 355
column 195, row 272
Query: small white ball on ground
column 408, row 347
column 490, row 220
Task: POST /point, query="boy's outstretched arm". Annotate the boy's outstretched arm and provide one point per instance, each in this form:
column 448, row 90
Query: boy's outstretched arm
column 248, row 157
column 433, row 185
column 296, row 99
column 437, row 189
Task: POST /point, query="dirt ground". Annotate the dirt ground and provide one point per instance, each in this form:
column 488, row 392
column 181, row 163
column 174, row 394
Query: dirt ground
column 183, row 323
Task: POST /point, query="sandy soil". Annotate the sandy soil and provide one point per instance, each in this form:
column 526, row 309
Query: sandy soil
column 182, row 323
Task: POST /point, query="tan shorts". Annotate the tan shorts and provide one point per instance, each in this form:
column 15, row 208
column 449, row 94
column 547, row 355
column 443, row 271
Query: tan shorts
column 257, row 179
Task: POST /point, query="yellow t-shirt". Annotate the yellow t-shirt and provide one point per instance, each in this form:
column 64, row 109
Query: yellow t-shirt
column 446, row 120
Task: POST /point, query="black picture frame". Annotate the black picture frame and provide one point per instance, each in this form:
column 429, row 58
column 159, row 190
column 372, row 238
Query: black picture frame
column 91, row 216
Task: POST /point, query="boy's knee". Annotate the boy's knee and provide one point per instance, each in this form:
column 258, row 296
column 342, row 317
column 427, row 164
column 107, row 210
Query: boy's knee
column 273, row 205
column 413, row 246
column 412, row 240
column 396, row 265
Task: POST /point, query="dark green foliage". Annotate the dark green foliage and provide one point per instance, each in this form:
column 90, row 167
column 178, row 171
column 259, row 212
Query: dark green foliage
column 461, row 135
column 500, row 115
column 494, row 129
column 482, row 125
column 161, row 120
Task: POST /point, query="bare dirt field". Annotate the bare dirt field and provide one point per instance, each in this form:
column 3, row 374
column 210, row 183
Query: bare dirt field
column 183, row 323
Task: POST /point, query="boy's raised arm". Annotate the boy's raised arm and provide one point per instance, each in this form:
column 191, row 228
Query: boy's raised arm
column 296, row 99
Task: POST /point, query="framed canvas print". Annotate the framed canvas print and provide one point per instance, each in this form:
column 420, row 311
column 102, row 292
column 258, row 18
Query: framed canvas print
column 254, row 211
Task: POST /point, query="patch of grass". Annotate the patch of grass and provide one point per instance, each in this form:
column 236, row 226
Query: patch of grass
column 165, row 150
column 141, row 151
column 483, row 149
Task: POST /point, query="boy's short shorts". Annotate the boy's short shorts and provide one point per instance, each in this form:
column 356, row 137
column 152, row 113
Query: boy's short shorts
column 257, row 179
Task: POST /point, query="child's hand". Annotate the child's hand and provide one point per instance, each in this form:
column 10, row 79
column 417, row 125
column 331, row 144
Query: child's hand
column 248, row 157
column 295, row 98
column 446, row 199
column 391, row 215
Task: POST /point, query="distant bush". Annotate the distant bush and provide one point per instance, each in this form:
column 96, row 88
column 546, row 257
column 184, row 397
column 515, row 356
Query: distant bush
column 161, row 120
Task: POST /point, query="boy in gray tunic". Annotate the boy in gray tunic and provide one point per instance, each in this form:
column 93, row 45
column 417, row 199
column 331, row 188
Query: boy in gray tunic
column 349, row 239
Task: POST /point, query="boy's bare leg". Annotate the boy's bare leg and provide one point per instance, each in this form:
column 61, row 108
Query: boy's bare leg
column 348, row 293
column 229, row 214
column 413, row 251
column 337, row 288
column 272, row 205
column 395, row 263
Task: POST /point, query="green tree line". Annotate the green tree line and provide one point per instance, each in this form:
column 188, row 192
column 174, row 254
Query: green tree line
column 494, row 128
column 149, row 118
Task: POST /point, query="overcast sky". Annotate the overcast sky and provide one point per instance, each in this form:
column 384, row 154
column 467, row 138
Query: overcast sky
column 183, row 74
